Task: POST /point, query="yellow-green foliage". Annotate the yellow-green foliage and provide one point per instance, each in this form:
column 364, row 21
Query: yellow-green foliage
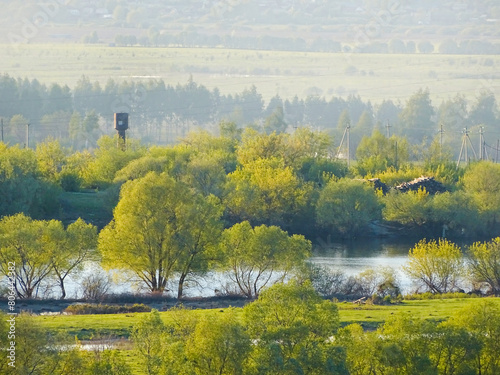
column 437, row 266
column 393, row 177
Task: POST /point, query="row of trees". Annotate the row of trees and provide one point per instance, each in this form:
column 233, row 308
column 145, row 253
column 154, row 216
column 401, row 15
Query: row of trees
column 288, row 330
column 173, row 205
column 288, row 180
column 164, row 230
column 161, row 113
column 269, row 42
column 40, row 250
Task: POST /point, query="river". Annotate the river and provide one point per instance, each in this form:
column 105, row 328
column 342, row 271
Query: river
column 354, row 257
column 351, row 257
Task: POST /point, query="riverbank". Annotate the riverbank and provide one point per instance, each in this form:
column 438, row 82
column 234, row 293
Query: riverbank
column 57, row 306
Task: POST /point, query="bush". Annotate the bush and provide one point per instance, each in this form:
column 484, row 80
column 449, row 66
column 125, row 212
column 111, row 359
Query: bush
column 87, row 308
column 95, row 286
column 429, row 295
column 327, row 283
column 69, row 180
column 382, row 284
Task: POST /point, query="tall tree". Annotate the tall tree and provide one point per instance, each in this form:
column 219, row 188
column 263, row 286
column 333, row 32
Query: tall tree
column 23, row 245
column 50, row 158
column 485, row 110
column 417, row 117
column 347, row 206
column 377, row 153
column 482, row 182
column 437, row 266
column 160, row 227
column 148, row 336
column 482, row 322
column 484, row 263
column 292, row 327
column 219, row 345
column 70, row 248
column 264, row 191
column 258, row 256
column 101, row 170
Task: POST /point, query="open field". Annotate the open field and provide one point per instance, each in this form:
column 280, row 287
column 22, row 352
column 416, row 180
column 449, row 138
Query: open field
column 119, row 325
column 372, row 76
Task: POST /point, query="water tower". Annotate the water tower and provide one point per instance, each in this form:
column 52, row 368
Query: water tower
column 121, row 125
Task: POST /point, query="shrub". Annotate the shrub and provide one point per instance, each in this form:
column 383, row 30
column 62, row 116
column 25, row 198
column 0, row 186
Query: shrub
column 95, row 286
column 87, row 308
column 429, row 295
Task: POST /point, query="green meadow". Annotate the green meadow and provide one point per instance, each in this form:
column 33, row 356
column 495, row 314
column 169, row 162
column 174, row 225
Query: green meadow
column 372, row 76
column 86, row 327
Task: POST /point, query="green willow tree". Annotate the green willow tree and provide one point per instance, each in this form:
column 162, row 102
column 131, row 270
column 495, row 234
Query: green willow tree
column 70, row 248
column 411, row 208
column 161, row 228
column 292, row 327
column 42, row 249
column 377, row 153
column 148, row 336
column 481, row 321
column 484, row 263
column 436, row 265
column 266, row 192
column 51, row 158
column 108, row 160
column 256, row 257
column 482, row 182
column 347, row 206
column 219, row 345
column 22, row 189
column 23, row 244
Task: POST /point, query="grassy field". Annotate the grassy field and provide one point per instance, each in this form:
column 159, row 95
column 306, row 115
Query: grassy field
column 372, row 76
column 105, row 327
column 86, row 327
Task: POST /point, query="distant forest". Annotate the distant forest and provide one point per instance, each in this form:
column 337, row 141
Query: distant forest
column 162, row 114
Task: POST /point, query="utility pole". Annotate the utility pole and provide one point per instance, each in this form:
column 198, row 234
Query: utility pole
column 464, row 148
column 28, row 135
column 1, row 121
column 348, row 146
column 471, row 146
column 388, row 127
column 441, row 131
column 396, row 152
column 498, row 147
column 346, row 133
column 481, row 143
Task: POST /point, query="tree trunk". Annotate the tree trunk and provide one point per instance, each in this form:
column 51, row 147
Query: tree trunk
column 180, row 288
column 63, row 290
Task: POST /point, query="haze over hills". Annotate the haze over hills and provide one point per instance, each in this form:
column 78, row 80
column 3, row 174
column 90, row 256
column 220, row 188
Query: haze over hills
column 329, row 25
column 226, row 59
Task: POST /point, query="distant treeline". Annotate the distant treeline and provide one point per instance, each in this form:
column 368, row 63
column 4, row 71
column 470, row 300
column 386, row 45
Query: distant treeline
column 319, row 44
column 161, row 113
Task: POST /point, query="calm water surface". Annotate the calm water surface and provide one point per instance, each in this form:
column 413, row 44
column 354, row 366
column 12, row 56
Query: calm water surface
column 351, row 257
column 354, row 257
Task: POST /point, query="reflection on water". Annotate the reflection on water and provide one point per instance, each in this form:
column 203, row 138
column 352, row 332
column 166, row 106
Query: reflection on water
column 351, row 257
column 354, row 257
